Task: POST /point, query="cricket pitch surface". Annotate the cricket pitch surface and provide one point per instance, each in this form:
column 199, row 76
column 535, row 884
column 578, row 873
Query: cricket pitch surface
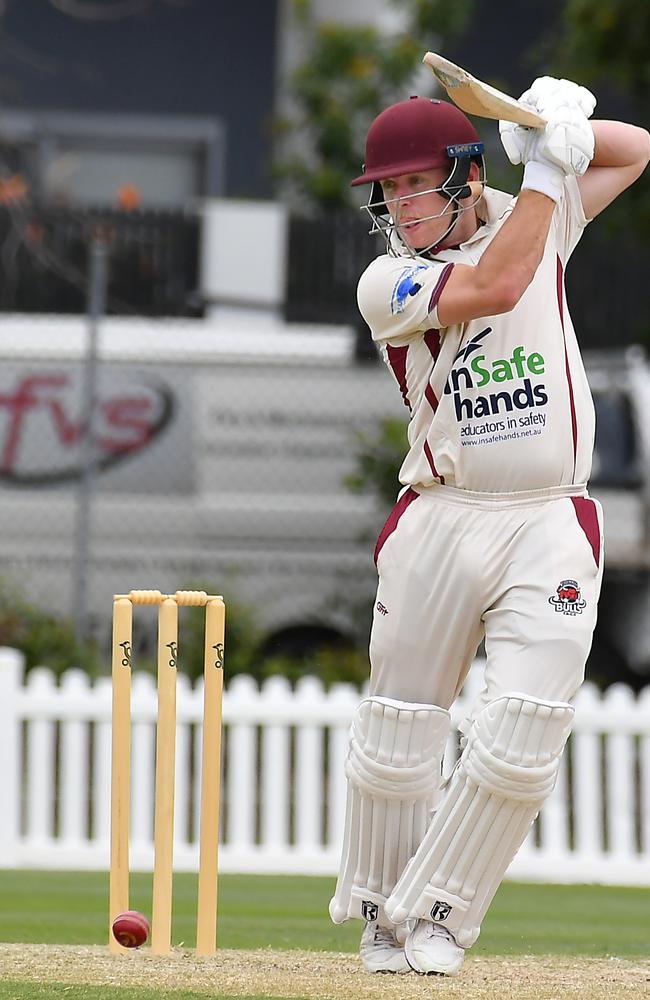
column 326, row 976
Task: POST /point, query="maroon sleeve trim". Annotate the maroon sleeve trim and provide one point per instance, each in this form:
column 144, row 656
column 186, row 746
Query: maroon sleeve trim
column 437, row 291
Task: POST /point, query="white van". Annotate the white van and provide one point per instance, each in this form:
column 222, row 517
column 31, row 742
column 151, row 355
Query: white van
column 222, row 451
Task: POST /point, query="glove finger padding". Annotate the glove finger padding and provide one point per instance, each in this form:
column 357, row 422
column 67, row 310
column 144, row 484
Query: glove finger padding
column 547, row 93
column 567, row 141
column 519, row 142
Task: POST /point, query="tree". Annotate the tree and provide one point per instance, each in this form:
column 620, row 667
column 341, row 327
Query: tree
column 604, row 44
column 608, row 40
column 349, row 75
column 378, row 460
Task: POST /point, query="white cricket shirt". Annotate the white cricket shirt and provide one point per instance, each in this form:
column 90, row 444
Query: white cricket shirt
column 499, row 404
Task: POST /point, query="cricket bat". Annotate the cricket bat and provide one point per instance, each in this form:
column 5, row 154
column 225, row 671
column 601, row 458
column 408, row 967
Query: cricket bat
column 478, row 98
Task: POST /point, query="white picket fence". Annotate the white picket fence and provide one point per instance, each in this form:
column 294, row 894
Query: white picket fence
column 283, row 795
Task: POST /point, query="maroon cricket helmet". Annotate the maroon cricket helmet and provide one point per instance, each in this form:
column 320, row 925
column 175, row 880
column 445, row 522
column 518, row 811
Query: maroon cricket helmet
column 417, row 134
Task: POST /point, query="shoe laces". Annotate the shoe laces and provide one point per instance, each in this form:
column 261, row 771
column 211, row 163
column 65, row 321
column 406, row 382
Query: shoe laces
column 440, row 931
column 383, row 935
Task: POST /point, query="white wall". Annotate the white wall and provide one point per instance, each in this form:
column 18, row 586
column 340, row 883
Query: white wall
column 244, row 253
column 381, row 13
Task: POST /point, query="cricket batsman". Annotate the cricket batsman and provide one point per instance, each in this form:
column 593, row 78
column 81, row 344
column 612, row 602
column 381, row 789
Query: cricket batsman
column 494, row 536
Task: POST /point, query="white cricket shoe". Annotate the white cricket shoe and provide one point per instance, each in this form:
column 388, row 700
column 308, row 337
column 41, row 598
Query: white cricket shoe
column 380, row 950
column 431, row 950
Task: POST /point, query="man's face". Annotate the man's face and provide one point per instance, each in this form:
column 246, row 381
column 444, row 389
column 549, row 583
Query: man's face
column 408, row 205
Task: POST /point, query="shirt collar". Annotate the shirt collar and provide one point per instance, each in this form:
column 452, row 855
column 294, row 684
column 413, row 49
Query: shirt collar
column 492, row 209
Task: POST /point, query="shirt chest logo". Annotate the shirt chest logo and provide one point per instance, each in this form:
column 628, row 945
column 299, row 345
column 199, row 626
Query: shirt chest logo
column 482, row 387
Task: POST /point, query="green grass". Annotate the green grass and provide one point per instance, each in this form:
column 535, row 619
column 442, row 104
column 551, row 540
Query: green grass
column 291, row 912
column 47, row 991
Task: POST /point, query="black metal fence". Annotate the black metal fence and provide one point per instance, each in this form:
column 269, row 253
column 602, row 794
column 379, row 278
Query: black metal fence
column 607, row 289
column 606, row 279
column 154, row 269
column 154, row 260
column 326, row 256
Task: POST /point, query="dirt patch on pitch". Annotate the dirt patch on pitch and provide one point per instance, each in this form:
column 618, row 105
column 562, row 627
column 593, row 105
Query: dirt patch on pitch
column 325, row 976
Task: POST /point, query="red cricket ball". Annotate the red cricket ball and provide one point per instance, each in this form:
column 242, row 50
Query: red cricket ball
column 131, row 929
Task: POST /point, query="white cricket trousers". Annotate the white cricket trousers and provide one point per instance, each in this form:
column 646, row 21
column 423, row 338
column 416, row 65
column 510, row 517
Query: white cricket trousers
column 521, row 570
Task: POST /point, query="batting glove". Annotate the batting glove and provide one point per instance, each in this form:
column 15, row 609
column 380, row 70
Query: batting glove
column 567, row 140
column 547, row 94
column 564, row 147
column 522, row 146
column 518, row 141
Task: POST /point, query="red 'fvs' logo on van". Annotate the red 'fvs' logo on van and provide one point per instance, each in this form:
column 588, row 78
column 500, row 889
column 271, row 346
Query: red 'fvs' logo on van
column 43, row 434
